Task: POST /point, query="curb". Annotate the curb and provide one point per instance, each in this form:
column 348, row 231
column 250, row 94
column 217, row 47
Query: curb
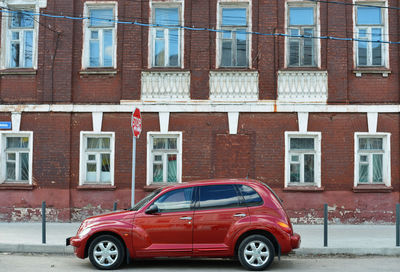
column 64, row 250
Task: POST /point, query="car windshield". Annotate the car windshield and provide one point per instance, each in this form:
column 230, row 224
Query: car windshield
column 145, row 200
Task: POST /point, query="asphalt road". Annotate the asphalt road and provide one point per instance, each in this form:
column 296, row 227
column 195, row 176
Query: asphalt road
column 23, row 263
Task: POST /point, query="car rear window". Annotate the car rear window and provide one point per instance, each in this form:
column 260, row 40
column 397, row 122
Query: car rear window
column 251, row 197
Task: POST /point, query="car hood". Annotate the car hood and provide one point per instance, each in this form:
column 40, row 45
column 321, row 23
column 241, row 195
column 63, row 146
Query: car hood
column 113, row 216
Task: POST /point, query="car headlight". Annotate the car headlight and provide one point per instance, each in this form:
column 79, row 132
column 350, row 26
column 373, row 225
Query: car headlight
column 84, row 232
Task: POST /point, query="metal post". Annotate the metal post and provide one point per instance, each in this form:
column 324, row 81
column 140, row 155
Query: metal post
column 133, row 171
column 325, row 225
column 115, row 206
column 397, row 224
column 44, row 222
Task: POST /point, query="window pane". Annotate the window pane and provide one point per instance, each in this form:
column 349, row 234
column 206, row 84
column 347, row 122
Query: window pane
column 376, row 46
column 173, row 47
column 93, row 143
column 362, row 53
column 157, row 172
column 226, row 53
column 308, row 168
column 10, row 170
column 377, row 161
column 13, row 142
column 177, row 200
column 107, row 48
column 24, row 164
column 172, row 143
column 105, row 175
column 308, row 48
column 369, row 16
column 28, row 49
column 92, row 157
column 105, row 143
column 295, row 158
column 159, row 53
column 234, row 16
column 172, row 168
column 251, row 197
column 94, row 60
column 363, row 173
column 91, row 172
column 370, row 143
column 301, row 16
column 94, row 34
column 295, row 172
column 218, row 196
column 21, row 20
column 15, row 55
column 301, row 143
column 241, row 49
column 159, row 143
column 11, row 156
column 101, row 17
column 294, row 52
column 167, row 16
column 15, row 36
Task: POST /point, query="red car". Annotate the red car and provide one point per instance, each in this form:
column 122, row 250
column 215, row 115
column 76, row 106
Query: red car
column 214, row 218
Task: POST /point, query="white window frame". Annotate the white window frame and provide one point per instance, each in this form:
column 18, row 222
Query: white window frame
column 83, row 157
column 317, row 158
column 89, row 5
column 33, row 5
column 153, row 4
column 3, row 156
column 150, row 135
column 317, row 32
column 386, row 164
column 219, row 35
column 385, row 31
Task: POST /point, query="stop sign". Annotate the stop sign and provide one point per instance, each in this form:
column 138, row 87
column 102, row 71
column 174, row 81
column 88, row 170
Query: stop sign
column 136, row 123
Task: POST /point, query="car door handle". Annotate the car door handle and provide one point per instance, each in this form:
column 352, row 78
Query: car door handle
column 186, row 218
column 240, row 215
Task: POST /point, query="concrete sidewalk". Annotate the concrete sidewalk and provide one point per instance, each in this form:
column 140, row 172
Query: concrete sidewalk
column 342, row 239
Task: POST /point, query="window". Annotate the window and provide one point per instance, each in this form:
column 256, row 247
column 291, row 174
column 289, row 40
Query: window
column 233, row 41
column 164, row 158
column 370, row 26
column 100, row 36
column 17, row 158
column 302, row 25
column 372, row 159
column 303, row 156
column 175, row 201
column 218, row 196
column 19, row 38
column 97, row 158
column 251, row 197
column 166, row 36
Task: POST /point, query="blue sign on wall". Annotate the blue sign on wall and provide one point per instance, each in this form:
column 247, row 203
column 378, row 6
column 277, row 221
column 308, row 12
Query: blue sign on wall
column 5, row 125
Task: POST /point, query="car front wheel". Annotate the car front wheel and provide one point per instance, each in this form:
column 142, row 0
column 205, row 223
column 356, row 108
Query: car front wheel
column 256, row 252
column 106, row 252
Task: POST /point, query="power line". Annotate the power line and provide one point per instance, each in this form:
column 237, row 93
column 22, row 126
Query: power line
column 10, row 11
column 354, row 4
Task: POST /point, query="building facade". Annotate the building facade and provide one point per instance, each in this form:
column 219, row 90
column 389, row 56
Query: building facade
column 301, row 95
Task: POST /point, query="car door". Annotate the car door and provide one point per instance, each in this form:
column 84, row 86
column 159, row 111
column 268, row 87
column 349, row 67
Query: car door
column 169, row 231
column 218, row 217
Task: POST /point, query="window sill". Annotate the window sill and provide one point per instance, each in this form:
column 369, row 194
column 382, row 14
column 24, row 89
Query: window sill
column 372, row 70
column 16, row 186
column 98, row 71
column 96, row 187
column 303, row 189
column 303, row 68
column 18, row 72
column 372, row 188
column 166, row 69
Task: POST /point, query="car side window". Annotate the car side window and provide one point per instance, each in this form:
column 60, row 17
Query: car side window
column 250, row 196
column 218, row 196
column 175, row 201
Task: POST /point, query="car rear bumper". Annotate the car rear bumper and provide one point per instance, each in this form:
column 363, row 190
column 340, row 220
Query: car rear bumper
column 295, row 240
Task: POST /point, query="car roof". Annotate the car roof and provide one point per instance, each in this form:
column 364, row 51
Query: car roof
column 214, row 182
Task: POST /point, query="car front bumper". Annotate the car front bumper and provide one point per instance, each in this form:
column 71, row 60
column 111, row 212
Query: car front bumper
column 78, row 244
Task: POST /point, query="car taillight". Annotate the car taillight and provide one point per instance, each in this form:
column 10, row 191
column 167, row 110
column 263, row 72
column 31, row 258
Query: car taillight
column 285, row 227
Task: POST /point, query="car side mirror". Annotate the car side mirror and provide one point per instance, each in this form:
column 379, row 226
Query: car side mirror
column 152, row 209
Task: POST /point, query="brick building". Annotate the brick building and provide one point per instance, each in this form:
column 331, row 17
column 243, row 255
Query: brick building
column 270, row 97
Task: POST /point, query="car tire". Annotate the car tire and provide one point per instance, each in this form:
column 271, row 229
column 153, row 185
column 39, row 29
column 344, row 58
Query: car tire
column 256, row 252
column 106, row 252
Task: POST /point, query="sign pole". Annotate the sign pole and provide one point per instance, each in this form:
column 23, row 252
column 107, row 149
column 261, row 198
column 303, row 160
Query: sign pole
column 133, row 170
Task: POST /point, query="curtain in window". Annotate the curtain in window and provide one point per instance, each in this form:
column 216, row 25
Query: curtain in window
column 172, row 168
column 377, row 170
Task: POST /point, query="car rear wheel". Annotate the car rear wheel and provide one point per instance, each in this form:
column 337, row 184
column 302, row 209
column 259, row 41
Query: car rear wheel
column 106, row 252
column 256, row 252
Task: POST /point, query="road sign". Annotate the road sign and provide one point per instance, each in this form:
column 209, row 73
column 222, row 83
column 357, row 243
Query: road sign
column 136, row 123
column 5, row 125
